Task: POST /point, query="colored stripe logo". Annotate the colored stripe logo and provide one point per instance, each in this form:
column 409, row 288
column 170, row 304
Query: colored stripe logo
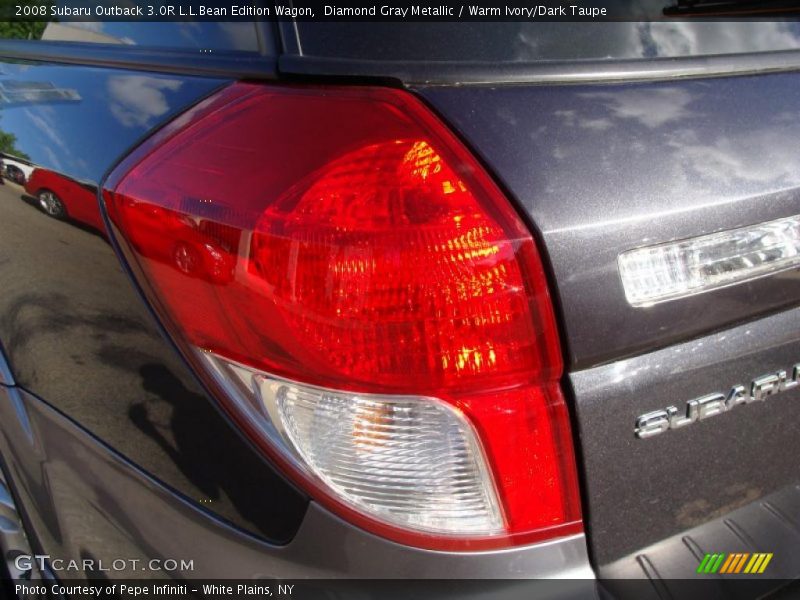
column 735, row 562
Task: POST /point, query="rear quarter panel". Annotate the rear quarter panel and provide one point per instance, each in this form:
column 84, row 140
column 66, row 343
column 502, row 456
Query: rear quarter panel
column 77, row 334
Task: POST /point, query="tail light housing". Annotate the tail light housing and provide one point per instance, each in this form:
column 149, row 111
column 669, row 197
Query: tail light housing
column 366, row 305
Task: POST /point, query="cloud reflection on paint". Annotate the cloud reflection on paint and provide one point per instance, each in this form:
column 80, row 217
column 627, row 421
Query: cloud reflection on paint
column 138, row 100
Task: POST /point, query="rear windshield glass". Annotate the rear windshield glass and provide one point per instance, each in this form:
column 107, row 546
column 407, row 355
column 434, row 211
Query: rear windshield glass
column 524, row 42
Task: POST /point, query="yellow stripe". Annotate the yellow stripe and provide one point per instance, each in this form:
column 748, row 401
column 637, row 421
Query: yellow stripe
column 741, row 562
column 765, row 563
column 728, row 561
column 753, row 562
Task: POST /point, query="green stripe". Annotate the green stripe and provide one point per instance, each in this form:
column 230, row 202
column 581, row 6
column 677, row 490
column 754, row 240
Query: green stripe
column 718, row 564
column 711, row 562
column 702, row 566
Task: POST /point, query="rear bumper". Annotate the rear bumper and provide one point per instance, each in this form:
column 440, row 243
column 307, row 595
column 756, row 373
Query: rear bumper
column 80, row 499
column 767, row 526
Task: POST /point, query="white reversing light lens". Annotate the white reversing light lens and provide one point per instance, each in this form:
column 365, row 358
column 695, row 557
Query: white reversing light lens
column 700, row 264
column 410, row 461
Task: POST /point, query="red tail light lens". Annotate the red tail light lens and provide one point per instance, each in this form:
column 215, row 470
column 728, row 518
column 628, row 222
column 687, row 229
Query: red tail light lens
column 366, row 303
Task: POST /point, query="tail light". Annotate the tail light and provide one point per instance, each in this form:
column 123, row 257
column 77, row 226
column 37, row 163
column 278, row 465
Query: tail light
column 365, row 303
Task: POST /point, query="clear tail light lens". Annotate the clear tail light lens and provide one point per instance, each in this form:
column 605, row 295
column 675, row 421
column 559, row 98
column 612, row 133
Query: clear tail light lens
column 679, row 269
column 365, row 302
column 413, row 461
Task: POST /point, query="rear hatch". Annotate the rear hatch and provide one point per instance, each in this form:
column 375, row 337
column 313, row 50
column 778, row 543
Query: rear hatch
column 616, row 160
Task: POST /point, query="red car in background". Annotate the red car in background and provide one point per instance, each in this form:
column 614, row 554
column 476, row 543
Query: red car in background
column 62, row 197
column 201, row 248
